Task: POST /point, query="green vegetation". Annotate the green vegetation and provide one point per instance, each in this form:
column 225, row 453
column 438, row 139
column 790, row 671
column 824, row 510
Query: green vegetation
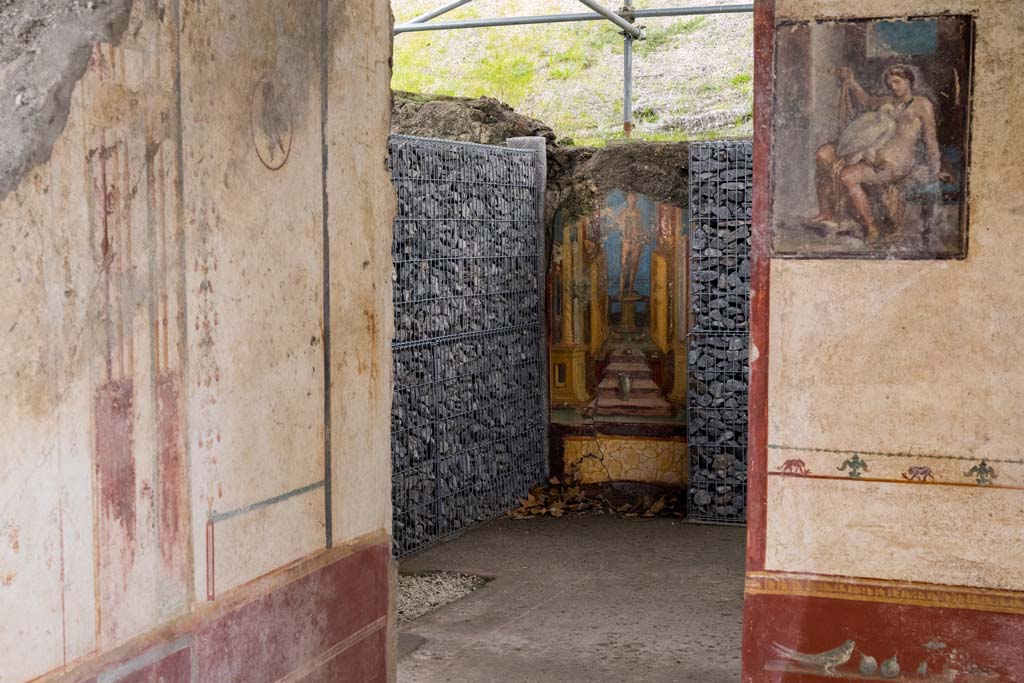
column 506, row 72
column 741, row 80
column 667, row 136
column 645, row 114
column 566, row 64
column 604, row 38
column 570, row 75
column 660, row 36
column 744, row 82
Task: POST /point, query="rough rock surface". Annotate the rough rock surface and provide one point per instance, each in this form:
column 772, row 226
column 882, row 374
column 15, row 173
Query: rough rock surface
column 483, row 119
column 579, row 177
column 45, row 47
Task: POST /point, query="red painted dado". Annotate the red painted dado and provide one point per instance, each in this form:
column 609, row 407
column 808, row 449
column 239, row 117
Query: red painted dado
column 955, row 645
column 289, row 628
column 326, row 624
column 359, row 664
column 174, row 668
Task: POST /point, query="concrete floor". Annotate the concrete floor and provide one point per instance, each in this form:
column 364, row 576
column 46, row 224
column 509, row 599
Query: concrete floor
column 584, row 599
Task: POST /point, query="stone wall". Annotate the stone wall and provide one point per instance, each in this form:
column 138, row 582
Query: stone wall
column 721, row 191
column 196, row 357
column 467, row 415
column 886, row 369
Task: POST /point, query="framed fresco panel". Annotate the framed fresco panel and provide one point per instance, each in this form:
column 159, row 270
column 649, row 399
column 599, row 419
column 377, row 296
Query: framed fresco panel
column 616, row 293
column 871, row 130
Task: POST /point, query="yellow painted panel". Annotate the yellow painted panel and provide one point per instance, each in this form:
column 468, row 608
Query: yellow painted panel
column 626, row 458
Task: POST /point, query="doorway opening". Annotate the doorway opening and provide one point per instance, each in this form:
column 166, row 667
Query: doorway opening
column 595, row 447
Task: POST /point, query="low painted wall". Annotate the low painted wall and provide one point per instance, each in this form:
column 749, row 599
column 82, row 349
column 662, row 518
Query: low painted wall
column 195, row 356
column 886, row 462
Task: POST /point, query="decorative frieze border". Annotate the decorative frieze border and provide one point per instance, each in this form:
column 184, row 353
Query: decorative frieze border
column 880, row 590
column 896, row 467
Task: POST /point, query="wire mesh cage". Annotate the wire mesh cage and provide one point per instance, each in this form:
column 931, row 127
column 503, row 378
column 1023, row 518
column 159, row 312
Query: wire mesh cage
column 720, row 213
column 467, row 431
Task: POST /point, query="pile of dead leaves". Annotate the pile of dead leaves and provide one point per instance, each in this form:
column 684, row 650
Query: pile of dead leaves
column 562, row 497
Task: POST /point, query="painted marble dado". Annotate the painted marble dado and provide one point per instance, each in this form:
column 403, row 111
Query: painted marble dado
column 603, row 459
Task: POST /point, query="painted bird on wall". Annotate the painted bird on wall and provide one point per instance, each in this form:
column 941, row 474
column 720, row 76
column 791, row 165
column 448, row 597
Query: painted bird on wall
column 866, row 135
column 274, row 119
column 828, row 660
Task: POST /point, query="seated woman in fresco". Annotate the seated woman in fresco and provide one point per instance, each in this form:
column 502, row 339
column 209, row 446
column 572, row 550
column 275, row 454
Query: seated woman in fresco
column 880, row 149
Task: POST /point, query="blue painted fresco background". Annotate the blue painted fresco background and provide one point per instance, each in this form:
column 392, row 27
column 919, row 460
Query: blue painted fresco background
column 615, row 202
column 909, row 37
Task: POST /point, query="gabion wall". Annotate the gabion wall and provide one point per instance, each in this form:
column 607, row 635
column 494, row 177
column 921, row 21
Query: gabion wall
column 720, row 208
column 468, row 425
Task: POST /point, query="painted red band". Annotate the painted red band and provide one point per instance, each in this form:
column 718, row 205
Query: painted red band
column 927, row 644
column 757, row 454
column 171, row 476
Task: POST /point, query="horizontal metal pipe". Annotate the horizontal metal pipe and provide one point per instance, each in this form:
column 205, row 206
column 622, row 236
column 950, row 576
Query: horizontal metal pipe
column 689, row 11
column 614, row 18
column 427, row 16
column 565, row 18
column 498, row 21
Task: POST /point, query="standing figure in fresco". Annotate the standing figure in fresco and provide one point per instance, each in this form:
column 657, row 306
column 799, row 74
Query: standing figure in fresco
column 880, row 149
column 631, row 226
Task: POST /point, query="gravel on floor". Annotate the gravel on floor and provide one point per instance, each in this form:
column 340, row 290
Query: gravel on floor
column 424, row 592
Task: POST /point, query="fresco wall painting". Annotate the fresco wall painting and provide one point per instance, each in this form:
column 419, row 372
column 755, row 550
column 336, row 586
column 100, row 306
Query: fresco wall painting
column 141, row 499
column 166, row 352
column 616, row 286
column 616, row 295
column 884, row 519
column 874, row 117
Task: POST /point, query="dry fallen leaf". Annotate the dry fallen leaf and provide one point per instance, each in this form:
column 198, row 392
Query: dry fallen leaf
column 657, row 506
column 564, row 495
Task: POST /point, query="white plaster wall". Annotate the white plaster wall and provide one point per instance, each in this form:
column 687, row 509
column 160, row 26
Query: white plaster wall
column 911, row 357
column 362, row 205
column 222, row 287
column 255, row 251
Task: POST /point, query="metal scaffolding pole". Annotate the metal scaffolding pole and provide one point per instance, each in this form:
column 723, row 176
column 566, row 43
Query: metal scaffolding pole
column 614, row 18
column 497, row 21
column 427, row 16
column 564, row 18
column 688, row 11
column 627, row 77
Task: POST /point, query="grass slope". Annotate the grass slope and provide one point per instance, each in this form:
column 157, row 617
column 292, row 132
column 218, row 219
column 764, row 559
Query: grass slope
column 692, row 76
